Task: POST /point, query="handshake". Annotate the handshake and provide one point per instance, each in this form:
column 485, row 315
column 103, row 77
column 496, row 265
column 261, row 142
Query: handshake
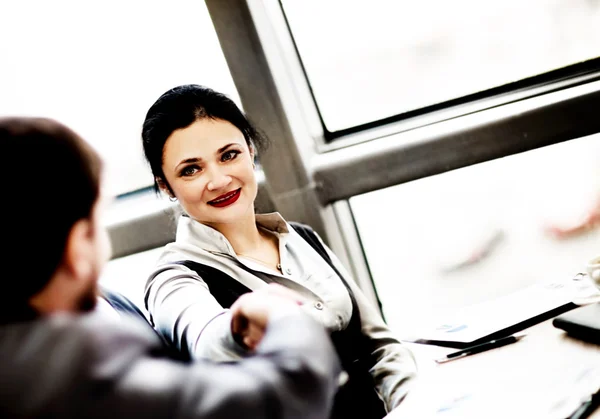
column 251, row 312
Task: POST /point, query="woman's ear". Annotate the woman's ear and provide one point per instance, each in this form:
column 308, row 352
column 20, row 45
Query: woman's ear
column 164, row 188
column 252, row 154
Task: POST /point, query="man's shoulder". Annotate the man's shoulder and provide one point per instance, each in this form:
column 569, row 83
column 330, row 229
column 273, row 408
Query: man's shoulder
column 46, row 361
column 74, row 333
column 102, row 331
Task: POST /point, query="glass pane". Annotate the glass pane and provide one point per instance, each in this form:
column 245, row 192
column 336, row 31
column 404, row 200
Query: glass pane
column 466, row 236
column 367, row 60
column 98, row 66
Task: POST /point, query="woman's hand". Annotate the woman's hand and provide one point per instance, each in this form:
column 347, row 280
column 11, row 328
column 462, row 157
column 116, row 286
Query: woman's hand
column 251, row 313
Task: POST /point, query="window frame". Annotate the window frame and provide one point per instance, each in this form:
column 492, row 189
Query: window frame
column 308, row 173
column 527, row 87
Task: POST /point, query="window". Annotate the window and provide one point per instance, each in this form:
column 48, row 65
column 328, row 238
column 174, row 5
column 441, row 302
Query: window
column 99, row 66
column 370, row 60
column 490, row 228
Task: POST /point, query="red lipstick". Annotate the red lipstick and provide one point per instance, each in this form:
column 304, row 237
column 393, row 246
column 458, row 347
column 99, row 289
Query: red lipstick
column 226, row 199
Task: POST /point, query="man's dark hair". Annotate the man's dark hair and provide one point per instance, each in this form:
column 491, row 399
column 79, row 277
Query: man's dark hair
column 51, row 180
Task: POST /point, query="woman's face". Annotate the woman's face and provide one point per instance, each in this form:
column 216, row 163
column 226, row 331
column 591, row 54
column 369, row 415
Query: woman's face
column 210, row 170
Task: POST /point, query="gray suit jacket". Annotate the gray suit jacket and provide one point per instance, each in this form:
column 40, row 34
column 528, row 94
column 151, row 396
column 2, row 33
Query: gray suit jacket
column 88, row 366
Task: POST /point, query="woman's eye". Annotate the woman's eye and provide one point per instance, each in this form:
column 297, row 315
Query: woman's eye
column 229, row 155
column 190, row 170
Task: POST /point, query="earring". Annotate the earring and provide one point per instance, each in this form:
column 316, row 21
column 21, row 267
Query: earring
column 172, row 199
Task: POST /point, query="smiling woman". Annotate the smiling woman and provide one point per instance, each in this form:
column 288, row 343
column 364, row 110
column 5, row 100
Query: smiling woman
column 201, row 150
column 207, row 167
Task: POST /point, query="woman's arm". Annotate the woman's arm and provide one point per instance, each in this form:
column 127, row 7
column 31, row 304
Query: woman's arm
column 183, row 310
column 394, row 366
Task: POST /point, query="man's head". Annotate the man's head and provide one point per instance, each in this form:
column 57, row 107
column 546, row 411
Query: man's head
column 54, row 243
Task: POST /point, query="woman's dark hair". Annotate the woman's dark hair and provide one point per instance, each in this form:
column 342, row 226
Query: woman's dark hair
column 54, row 178
column 180, row 107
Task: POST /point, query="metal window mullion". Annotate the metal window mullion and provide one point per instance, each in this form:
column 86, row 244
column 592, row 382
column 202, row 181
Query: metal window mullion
column 268, row 96
column 437, row 148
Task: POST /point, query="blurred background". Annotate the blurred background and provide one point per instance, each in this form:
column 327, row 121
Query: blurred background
column 491, row 228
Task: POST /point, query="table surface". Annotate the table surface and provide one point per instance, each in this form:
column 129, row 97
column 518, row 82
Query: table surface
column 541, row 376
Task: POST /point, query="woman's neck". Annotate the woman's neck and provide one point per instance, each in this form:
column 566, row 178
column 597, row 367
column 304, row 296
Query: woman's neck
column 243, row 235
column 251, row 242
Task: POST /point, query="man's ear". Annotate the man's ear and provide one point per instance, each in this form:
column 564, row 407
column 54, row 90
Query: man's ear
column 79, row 249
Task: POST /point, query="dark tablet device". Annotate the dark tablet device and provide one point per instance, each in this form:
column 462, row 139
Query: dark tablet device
column 581, row 323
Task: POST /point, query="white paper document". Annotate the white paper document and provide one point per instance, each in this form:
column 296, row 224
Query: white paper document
column 539, row 391
column 481, row 320
column 559, row 395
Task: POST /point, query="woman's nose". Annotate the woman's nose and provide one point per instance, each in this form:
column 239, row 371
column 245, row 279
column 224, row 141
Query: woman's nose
column 218, row 180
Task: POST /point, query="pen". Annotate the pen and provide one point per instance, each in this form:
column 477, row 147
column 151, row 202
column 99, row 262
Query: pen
column 496, row 343
column 587, row 406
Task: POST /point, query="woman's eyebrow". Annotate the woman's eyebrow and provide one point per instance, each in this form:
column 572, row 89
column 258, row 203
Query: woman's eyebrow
column 199, row 160
column 189, row 160
column 225, row 147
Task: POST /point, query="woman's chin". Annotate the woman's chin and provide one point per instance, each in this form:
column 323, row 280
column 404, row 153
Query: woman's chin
column 228, row 215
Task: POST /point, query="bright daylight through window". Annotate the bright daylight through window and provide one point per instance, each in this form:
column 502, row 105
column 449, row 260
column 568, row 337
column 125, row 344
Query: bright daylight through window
column 368, row 60
column 99, row 72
